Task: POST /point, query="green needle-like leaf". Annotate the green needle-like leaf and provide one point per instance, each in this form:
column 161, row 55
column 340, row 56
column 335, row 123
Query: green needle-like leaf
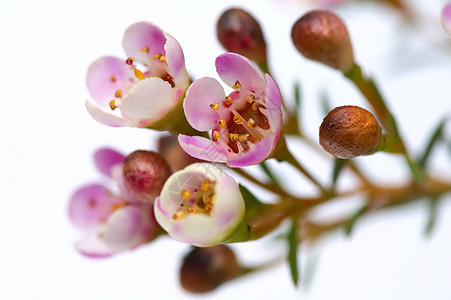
column 325, row 103
column 293, row 250
column 297, row 97
column 432, row 219
column 338, row 167
column 268, row 172
column 436, row 136
column 249, row 198
column 350, row 226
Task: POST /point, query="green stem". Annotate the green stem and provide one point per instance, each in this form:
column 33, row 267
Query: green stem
column 267, row 186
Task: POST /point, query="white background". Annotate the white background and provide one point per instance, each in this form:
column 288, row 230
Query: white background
column 47, row 139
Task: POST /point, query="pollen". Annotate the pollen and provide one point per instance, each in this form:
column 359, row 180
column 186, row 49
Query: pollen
column 250, row 98
column 222, row 123
column 237, row 120
column 178, row 215
column 162, row 58
column 112, row 78
column 251, row 122
column 254, row 106
column 205, row 186
column 227, row 101
column 118, row 94
column 237, row 85
column 233, row 137
column 186, row 194
column 113, row 104
column 214, row 106
column 138, row 74
column 144, row 49
column 129, row 61
column 215, row 136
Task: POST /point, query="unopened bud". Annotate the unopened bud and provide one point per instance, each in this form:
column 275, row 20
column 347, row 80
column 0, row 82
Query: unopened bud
column 145, row 173
column 204, row 269
column 239, row 32
column 349, row 131
column 320, row 35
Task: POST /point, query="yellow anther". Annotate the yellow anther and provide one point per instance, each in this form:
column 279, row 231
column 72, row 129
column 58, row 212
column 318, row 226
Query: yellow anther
column 185, row 194
column 250, row 98
column 139, row 74
column 254, row 106
column 162, row 58
column 215, row 136
column 214, row 106
column 191, row 210
column 243, row 137
column 208, row 201
column 227, row 101
column 251, row 122
column 222, row 123
column 112, row 78
column 233, row 137
column 237, row 120
column 113, row 104
column 145, row 49
column 237, row 85
column 178, row 215
column 205, row 186
column 157, row 56
column 118, row 94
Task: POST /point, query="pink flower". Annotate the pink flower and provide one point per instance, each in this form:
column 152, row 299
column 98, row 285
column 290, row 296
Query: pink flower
column 110, row 222
column 245, row 125
column 202, row 206
column 446, row 19
column 142, row 96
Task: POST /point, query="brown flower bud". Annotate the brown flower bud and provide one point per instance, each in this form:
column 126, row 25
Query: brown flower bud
column 320, row 35
column 239, row 32
column 204, row 269
column 145, row 173
column 177, row 158
column 349, row 131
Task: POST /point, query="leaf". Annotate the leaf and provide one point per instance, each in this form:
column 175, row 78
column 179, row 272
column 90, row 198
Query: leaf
column 338, row 167
column 325, row 103
column 350, row 226
column 268, row 172
column 432, row 218
column 437, row 135
column 297, row 97
column 249, row 198
column 293, row 250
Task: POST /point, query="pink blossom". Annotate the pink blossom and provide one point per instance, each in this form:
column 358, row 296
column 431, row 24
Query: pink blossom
column 144, row 95
column 110, row 222
column 245, row 125
column 446, row 19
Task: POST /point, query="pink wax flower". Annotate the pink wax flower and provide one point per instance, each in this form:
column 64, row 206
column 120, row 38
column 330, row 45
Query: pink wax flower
column 145, row 95
column 202, row 206
column 446, row 19
column 110, row 222
column 245, row 125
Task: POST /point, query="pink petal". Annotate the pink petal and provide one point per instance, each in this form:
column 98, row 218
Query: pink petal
column 446, row 19
column 232, row 67
column 128, row 227
column 259, row 153
column 106, row 158
column 273, row 104
column 99, row 79
column 149, row 99
column 200, row 95
column 176, row 61
column 140, row 35
column 202, row 148
column 107, row 118
column 91, row 205
column 91, row 246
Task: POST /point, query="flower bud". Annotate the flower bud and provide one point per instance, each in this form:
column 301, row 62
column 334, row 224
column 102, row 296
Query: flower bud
column 320, row 35
column 204, row 269
column 239, row 32
column 349, row 131
column 144, row 174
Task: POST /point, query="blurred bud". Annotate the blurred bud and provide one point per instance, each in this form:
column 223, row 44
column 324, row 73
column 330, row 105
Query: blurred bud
column 445, row 19
column 170, row 150
column 349, row 131
column 204, row 269
column 145, row 173
column 239, row 32
column 321, row 36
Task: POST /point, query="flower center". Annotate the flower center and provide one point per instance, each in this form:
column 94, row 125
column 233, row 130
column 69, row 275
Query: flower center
column 248, row 122
column 196, row 200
